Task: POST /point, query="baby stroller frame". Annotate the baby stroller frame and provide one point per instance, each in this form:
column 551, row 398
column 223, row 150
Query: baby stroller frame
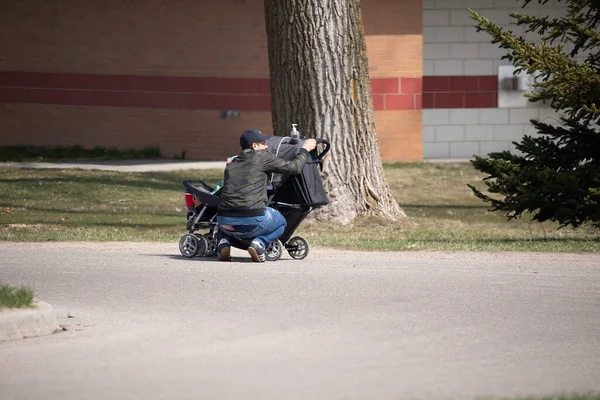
column 293, row 196
column 203, row 216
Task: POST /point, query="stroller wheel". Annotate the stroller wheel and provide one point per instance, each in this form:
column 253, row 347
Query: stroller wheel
column 297, row 247
column 211, row 244
column 202, row 245
column 189, row 245
column 274, row 250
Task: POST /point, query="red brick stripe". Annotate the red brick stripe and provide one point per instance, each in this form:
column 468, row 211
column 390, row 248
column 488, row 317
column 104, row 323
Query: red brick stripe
column 135, row 83
column 397, row 93
column 201, row 101
column 230, row 93
column 460, row 91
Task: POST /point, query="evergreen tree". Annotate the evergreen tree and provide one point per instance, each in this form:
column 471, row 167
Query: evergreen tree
column 556, row 174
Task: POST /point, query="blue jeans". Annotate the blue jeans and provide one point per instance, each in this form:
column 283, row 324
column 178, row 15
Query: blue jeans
column 265, row 228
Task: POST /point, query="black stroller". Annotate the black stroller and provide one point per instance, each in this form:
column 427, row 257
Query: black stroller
column 294, row 196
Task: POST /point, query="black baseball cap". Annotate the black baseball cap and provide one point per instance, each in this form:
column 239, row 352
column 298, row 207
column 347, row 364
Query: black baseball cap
column 252, row 136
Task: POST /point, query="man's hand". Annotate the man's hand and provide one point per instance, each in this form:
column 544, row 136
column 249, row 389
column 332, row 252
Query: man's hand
column 309, row 144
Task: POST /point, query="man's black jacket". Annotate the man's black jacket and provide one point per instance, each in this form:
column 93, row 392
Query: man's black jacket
column 244, row 191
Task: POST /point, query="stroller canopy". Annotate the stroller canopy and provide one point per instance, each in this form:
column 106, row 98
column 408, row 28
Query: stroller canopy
column 305, row 189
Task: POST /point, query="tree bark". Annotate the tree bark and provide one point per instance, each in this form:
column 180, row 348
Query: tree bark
column 320, row 81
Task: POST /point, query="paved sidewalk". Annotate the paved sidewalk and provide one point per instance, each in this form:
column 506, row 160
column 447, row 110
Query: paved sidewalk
column 124, row 165
column 150, row 324
column 152, row 165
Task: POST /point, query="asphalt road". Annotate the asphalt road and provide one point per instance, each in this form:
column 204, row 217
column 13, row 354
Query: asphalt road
column 149, row 324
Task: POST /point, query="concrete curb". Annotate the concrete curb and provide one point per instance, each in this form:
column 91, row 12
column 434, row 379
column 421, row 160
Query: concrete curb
column 31, row 322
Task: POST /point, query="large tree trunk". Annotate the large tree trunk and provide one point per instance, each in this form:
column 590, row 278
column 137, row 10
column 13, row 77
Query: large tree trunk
column 320, row 80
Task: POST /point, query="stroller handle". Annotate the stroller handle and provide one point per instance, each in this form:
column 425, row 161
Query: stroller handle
column 188, row 182
column 325, row 151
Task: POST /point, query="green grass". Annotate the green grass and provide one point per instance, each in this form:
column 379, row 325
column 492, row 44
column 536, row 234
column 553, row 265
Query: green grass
column 15, row 297
column 53, row 154
column 76, row 205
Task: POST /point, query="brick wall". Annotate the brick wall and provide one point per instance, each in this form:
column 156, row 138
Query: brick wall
column 137, row 74
column 224, row 38
column 394, row 38
column 193, row 133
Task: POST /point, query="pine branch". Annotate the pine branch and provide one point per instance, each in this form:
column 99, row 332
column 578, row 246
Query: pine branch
column 555, row 175
column 564, row 82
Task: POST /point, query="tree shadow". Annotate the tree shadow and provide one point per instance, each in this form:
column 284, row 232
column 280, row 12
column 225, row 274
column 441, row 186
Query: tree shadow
column 90, row 212
column 518, row 241
column 212, row 259
column 445, row 206
column 104, row 181
column 156, row 180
